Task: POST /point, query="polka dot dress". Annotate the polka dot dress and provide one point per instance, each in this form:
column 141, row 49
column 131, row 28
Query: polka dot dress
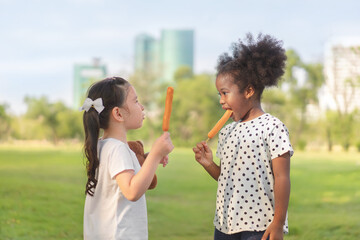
column 245, row 195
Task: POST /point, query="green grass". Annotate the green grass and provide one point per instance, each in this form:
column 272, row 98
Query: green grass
column 41, row 196
column 325, row 197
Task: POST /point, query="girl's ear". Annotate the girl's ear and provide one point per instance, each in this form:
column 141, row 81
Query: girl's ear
column 249, row 91
column 117, row 114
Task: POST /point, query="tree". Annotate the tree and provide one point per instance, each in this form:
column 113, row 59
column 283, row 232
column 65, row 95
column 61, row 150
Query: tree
column 343, row 86
column 293, row 61
column 291, row 100
column 302, row 94
column 61, row 121
column 148, row 89
column 70, row 125
column 196, row 109
column 5, row 121
column 183, row 72
column 341, row 128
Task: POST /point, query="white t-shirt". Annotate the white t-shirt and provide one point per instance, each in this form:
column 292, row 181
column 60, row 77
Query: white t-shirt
column 245, row 194
column 108, row 214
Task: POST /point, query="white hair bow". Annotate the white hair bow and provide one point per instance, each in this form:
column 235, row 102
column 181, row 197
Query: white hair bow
column 97, row 104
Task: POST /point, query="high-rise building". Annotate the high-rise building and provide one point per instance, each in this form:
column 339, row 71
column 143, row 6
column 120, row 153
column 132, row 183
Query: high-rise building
column 177, row 50
column 147, row 54
column 84, row 76
column 161, row 58
column 342, row 76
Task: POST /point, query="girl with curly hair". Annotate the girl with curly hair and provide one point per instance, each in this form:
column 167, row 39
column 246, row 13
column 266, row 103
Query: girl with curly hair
column 254, row 150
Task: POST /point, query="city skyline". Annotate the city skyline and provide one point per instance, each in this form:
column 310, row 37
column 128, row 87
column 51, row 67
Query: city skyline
column 342, row 71
column 162, row 57
column 42, row 41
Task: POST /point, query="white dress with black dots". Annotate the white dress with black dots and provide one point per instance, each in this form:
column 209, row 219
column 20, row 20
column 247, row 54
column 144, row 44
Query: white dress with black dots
column 245, row 194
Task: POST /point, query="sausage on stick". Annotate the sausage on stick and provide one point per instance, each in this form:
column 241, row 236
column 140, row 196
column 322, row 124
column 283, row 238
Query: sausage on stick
column 219, row 124
column 168, row 106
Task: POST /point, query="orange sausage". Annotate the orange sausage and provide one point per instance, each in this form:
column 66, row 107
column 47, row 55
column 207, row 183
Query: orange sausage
column 168, row 106
column 219, row 124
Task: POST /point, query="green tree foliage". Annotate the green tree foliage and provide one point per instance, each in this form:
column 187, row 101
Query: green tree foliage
column 147, row 87
column 340, row 129
column 29, row 129
column 274, row 101
column 300, row 94
column 5, row 121
column 70, row 124
column 183, row 72
column 196, row 109
column 293, row 61
column 55, row 120
column 342, row 124
column 148, row 90
column 44, row 112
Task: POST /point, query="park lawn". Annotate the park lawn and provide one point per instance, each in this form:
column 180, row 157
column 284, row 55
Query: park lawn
column 325, row 196
column 42, row 196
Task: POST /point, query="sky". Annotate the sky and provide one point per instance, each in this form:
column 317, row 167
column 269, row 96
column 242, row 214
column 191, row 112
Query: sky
column 41, row 40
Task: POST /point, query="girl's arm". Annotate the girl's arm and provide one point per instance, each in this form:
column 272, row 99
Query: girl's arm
column 281, row 169
column 132, row 185
column 203, row 155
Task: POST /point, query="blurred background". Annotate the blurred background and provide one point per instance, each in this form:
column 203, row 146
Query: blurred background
column 52, row 51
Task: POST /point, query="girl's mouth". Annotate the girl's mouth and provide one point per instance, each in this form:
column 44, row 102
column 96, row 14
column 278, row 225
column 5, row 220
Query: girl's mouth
column 232, row 116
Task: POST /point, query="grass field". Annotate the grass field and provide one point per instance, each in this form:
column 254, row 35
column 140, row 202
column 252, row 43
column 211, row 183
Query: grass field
column 41, row 196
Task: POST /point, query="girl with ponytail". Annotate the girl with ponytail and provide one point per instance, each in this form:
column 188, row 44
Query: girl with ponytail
column 115, row 205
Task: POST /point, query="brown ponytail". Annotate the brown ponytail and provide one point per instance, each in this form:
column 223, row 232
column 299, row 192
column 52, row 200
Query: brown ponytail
column 113, row 92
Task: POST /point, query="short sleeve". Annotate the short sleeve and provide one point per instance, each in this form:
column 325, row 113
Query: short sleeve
column 120, row 160
column 279, row 141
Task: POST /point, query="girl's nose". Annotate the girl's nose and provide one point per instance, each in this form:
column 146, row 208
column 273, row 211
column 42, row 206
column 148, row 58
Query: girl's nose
column 222, row 100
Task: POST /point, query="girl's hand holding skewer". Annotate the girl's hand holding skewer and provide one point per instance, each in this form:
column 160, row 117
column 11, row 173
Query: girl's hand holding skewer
column 203, row 154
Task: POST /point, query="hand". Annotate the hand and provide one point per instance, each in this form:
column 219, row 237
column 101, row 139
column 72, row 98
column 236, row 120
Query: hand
column 203, row 154
column 164, row 161
column 162, row 146
column 274, row 232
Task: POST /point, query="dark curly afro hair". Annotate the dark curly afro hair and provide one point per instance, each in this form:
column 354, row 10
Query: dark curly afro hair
column 259, row 63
